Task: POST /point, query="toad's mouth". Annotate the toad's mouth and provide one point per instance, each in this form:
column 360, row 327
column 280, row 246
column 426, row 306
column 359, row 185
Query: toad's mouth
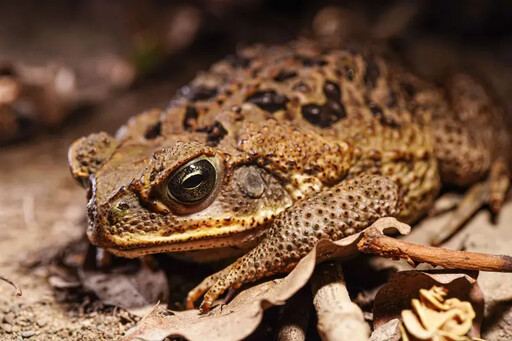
column 134, row 245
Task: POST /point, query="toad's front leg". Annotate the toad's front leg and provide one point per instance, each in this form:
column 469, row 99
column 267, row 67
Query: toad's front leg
column 332, row 214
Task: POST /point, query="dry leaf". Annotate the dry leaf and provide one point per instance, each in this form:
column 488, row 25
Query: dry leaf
column 58, row 282
column 136, row 291
column 434, row 317
column 405, row 286
column 389, row 331
column 240, row 317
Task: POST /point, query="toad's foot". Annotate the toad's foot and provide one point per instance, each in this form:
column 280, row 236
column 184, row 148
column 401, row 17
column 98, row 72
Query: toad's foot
column 491, row 192
column 331, row 214
column 204, row 286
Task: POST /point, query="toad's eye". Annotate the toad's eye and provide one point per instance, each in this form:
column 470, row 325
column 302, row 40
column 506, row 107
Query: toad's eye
column 192, row 182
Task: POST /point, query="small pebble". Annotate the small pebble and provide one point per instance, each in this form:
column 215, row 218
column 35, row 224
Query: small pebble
column 16, row 309
column 28, row 333
column 6, row 327
column 24, row 323
column 9, row 318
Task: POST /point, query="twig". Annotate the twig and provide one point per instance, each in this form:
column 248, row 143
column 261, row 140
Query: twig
column 375, row 242
column 338, row 317
column 476, row 196
column 295, row 318
column 16, row 287
column 443, row 205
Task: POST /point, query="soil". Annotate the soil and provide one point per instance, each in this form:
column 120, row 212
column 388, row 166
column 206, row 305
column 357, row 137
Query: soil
column 41, row 213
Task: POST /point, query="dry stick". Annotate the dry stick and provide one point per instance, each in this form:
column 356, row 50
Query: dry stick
column 295, row 317
column 18, row 289
column 470, row 203
column 339, row 319
column 375, row 242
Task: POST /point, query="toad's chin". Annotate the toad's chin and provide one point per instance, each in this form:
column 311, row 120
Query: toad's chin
column 132, row 246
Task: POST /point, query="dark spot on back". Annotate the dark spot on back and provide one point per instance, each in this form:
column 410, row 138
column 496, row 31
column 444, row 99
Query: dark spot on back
column 390, row 122
column 215, row 134
column 332, row 91
column 310, row 62
column 237, row 61
column 153, row 131
column 285, row 75
column 329, row 113
column 301, row 86
column 375, row 109
column 313, row 114
column 371, row 73
column 268, row 100
column 198, row 93
column 384, row 120
column 190, row 120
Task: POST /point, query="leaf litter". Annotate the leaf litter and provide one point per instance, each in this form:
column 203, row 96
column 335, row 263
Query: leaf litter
column 241, row 316
column 401, row 293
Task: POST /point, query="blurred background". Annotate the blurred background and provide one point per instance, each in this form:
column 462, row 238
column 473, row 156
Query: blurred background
column 69, row 68
column 63, row 60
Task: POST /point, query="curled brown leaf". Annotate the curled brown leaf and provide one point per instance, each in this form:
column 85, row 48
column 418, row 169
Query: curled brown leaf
column 135, row 291
column 404, row 287
column 434, row 317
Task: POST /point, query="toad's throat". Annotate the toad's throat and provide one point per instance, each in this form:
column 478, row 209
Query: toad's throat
column 136, row 246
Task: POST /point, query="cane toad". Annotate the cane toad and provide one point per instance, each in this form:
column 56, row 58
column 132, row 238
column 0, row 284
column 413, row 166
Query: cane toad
column 282, row 146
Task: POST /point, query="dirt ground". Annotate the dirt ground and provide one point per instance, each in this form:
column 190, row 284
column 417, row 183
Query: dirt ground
column 42, row 211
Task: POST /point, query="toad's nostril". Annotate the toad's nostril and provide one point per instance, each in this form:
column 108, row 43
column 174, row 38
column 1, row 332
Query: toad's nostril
column 122, row 206
column 119, row 209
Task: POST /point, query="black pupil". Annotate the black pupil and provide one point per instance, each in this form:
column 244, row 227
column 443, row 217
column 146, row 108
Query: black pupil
column 193, row 182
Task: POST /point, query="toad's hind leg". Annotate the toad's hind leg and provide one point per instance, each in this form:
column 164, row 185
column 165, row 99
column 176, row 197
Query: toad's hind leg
column 332, row 214
column 471, row 146
column 491, row 191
